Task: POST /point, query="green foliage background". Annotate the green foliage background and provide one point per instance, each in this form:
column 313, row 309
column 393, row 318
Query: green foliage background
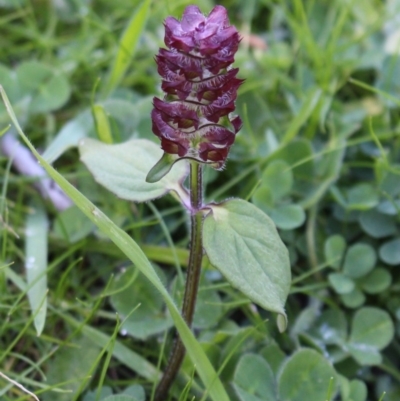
column 319, row 152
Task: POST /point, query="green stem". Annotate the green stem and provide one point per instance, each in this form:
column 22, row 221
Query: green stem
column 192, row 279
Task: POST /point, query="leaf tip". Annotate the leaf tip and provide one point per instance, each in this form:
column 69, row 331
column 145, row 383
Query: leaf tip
column 282, row 322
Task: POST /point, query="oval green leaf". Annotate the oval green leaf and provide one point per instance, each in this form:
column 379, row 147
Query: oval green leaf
column 390, row 207
column 243, row 244
column 254, row 379
column 306, row 375
column 334, row 249
column 288, row 217
column 149, row 316
column 362, row 197
column 360, row 259
column 376, row 224
column 389, row 252
column 371, row 327
column 48, row 87
column 123, row 168
column 278, row 178
column 372, row 330
column 353, row 299
column 136, row 391
column 331, row 327
column 377, row 281
column 341, row 283
column 358, row 390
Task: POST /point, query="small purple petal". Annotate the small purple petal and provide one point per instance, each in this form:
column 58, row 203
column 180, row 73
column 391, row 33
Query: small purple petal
column 192, row 17
column 221, row 107
column 178, row 113
column 219, row 16
column 175, row 147
column 161, row 128
column 237, row 123
column 188, row 65
column 218, row 135
column 208, row 152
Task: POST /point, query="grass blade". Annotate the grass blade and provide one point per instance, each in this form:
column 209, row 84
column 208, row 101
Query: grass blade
column 36, row 228
column 132, row 250
column 102, row 124
column 308, row 106
column 127, row 46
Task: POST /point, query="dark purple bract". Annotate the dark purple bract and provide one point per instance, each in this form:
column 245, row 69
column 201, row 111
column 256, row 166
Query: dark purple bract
column 194, row 120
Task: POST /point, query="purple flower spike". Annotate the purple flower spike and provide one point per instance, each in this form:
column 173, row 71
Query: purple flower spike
column 193, row 120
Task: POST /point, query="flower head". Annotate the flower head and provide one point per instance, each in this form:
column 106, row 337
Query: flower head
column 194, row 118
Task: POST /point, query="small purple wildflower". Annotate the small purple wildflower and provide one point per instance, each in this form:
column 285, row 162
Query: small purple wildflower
column 193, row 120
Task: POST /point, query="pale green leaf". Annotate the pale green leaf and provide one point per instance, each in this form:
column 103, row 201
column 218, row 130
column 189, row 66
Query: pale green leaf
column 334, row 249
column 365, row 355
column 288, row 217
column 278, row 178
column 360, row 259
column 123, row 168
column 70, row 359
column 389, row 252
column 48, row 87
column 274, row 356
column 372, row 327
column 341, row 283
column 390, row 207
column 331, row 327
column 358, row 390
column 243, row 244
column 149, row 317
column 353, row 299
column 306, row 375
column 362, row 197
column 377, row 225
column 136, row 391
column 377, row 281
column 254, row 379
